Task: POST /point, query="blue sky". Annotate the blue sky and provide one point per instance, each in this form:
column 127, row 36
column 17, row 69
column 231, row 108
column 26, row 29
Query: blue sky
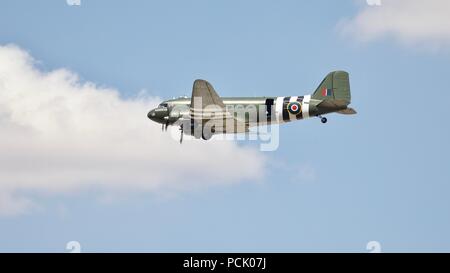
column 380, row 175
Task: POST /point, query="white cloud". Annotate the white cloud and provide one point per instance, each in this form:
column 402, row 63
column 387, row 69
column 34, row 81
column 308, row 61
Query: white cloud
column 61, row 136
column 424, row 23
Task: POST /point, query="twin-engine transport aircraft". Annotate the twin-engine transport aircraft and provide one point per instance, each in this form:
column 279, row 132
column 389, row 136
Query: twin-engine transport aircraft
column 206, row 114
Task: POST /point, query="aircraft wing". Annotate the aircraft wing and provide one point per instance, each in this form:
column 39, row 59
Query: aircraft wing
column 204, row 90
column 205, row 102
column 208, row 107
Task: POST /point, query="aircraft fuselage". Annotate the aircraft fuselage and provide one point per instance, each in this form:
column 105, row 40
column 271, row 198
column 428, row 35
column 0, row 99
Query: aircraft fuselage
column 212, row 114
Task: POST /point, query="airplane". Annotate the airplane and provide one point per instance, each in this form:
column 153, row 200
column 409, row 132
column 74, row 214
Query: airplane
column 205, row 113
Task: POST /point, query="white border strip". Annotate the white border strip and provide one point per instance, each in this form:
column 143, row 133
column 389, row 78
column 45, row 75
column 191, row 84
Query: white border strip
column 305, row 106
column 279, row 109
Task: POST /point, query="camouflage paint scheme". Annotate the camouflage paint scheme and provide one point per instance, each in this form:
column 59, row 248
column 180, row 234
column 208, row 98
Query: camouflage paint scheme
column 332, row 95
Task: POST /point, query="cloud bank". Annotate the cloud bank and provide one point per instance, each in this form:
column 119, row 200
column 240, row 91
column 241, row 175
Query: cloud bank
column 62, row 136
column 410, row 22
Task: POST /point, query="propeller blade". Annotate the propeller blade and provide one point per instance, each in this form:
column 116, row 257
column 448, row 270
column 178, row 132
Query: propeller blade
column 182, row 133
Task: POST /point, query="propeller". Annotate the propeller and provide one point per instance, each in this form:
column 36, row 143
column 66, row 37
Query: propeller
column 164, row 126
column 182, row 133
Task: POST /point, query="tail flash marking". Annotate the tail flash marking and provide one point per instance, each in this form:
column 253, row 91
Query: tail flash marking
column 327, row 92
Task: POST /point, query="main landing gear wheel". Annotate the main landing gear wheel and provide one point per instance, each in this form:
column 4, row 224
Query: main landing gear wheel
column 324, row 120
column 208, row 133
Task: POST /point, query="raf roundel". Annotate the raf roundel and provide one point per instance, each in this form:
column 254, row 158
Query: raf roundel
column 294, row 108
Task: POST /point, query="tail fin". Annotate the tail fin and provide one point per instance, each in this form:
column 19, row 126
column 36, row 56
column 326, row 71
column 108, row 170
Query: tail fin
column 335, row 87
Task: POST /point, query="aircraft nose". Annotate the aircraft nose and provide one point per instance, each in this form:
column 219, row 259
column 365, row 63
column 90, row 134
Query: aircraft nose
column 152, row 115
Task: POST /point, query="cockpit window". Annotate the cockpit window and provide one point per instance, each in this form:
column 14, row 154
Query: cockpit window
column 163, row 105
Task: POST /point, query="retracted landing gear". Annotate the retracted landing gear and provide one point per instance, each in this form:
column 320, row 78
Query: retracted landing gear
column 208, row 132
column 206, row 136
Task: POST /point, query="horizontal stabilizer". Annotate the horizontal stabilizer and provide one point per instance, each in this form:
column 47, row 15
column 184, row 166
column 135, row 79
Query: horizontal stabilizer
column 347, row 111
column 333, row 104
